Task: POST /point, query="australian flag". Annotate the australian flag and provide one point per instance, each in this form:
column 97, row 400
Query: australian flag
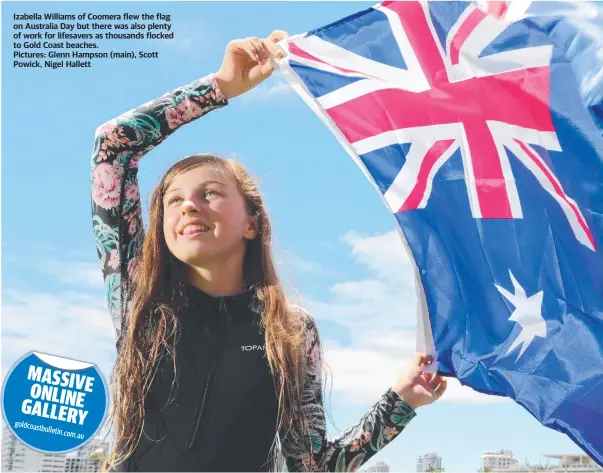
column 481, row 124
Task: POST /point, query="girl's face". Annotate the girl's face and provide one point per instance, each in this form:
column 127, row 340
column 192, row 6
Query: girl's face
column 205, row 219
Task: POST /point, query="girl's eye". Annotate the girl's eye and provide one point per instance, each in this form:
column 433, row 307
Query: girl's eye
column 173, row 199
column 210, row 192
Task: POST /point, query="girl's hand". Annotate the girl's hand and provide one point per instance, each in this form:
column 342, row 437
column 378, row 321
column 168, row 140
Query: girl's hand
column 418, row 388
column 247, row 63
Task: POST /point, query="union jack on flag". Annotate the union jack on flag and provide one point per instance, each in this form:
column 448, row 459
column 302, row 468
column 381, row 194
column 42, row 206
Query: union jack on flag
column 481, row 127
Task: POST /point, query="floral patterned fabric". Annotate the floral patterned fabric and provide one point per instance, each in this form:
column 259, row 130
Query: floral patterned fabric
column 357, row 444
column 117, row 223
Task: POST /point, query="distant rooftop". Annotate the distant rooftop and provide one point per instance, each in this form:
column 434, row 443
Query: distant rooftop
column 564, row 455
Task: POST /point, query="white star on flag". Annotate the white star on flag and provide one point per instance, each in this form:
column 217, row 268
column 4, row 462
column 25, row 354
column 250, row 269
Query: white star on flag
column 527, row 313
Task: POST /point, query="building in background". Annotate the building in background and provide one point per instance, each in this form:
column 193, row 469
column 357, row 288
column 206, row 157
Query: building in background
column 88, row 458
column 26, row 459
column 561, row 463
column 574, row 462
column 378, row 467
column 429, row 462
column 51, row 463
column 498, row 460
column 17, row 457
column 9, row 442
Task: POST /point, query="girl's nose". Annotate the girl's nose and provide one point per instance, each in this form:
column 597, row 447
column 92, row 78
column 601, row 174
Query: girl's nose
column 193, row 205
column 188, row 206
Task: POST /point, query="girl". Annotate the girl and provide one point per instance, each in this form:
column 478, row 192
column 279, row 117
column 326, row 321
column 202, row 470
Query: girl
column 215, row 370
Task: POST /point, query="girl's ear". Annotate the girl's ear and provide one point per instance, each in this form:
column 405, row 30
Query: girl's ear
column 252, row 228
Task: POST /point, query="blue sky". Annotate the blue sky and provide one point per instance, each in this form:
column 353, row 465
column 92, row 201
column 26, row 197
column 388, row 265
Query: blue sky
column 335, row 239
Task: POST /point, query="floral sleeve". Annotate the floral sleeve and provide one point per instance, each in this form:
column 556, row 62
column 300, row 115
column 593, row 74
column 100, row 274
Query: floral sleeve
column 118, row 146
column 356, row 445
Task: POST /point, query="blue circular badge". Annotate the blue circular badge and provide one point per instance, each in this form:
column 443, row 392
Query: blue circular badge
column 54, row 404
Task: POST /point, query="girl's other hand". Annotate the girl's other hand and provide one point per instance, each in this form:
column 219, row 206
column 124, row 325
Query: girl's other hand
column 247, row 63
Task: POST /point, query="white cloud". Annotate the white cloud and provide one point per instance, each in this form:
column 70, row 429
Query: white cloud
column 185, row 36
column 369, row 304
column 384, row 255
column 277, row 89
column 273, row 88
column 75, row 273
column 67, row 324
column 362, row 374
column 378, row 315
column 291, row 263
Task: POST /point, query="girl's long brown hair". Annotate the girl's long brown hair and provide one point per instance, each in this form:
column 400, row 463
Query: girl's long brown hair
column 156, row 291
